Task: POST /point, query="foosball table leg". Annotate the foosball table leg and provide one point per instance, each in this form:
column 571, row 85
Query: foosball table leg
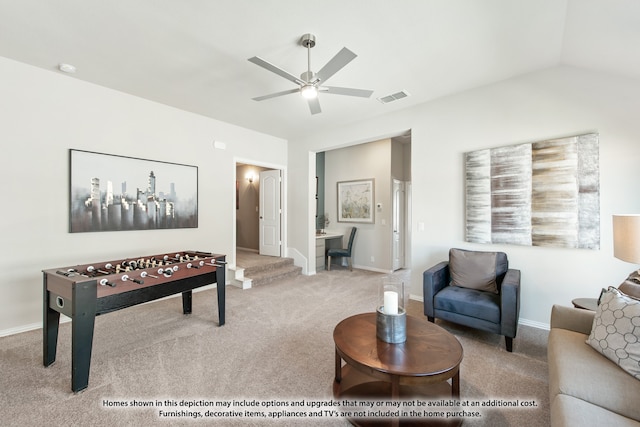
column 51, row 322
column 82, row 323
column 186, row 302
column 221, row 281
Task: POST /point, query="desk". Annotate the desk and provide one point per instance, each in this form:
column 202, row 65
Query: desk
column 324, row 242
column 83, row 292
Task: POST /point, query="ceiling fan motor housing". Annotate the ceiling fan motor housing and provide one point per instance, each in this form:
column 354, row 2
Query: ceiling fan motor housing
column 308, row 40
column 308, row 76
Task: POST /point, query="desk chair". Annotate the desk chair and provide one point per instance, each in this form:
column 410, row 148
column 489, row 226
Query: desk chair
column 344, row 252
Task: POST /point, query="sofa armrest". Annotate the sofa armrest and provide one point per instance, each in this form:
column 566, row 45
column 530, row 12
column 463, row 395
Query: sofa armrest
column 572, row 319
column 630, row 287
column 510, row 303
column 433, row 281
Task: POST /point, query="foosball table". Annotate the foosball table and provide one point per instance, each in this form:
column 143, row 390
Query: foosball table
column 83, row 292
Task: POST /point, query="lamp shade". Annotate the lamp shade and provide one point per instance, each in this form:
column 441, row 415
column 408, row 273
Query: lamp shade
column 626, row 238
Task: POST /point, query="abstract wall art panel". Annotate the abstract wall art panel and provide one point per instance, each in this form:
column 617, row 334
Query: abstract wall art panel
column 544, row 193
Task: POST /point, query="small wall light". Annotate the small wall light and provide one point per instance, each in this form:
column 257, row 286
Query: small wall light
column 249, row 177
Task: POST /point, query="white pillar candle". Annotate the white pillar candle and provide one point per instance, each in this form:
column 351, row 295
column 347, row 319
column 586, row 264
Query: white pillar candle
column 390, row 302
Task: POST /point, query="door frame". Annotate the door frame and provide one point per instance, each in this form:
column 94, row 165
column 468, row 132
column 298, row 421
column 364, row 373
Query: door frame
column 398, row 224
column 283, row 199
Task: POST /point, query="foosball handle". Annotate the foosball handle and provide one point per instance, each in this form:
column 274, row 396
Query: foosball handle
column 104, row 282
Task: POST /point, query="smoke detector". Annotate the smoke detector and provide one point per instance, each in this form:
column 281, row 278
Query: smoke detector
column 67, row 68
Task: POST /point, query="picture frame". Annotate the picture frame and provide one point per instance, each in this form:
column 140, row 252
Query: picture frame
column 108, row 192
column 356, row 201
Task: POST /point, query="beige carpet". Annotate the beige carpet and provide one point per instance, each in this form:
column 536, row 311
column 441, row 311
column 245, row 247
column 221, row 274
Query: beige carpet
column 276, row 346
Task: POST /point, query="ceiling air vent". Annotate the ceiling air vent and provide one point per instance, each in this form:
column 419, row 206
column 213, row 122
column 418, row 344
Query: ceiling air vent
column 393, row 97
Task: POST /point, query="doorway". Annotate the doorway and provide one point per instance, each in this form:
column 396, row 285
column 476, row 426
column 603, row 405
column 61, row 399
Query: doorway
column 384, row 244
column 259, row 209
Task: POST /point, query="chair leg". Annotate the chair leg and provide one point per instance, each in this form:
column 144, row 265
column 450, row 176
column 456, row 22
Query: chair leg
column 329, row 263
column 431, row 319
column 509, row 343
column 350, row 265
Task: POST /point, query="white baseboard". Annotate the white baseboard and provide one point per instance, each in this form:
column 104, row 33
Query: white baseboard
column 65, row 319
column 30, row 327
column 416, row 297
column 20, row 329
column 534, row 324
column 248, row 249
column 364, row 267
column 521, row 321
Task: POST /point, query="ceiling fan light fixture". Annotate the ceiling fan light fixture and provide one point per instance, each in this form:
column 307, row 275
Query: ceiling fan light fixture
column 309, row 91
column 310, row 83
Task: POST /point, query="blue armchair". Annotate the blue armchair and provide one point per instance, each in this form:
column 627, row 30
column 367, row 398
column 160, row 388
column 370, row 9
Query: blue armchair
column 475, row 289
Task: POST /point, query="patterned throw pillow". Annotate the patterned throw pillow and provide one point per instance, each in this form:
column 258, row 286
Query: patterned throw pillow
column 616, row 330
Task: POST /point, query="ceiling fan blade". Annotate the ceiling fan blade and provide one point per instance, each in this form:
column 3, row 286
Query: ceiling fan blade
column 314, row 106
column 273, row 95
column 274, row 69
column 341, row 59
column 363, row 93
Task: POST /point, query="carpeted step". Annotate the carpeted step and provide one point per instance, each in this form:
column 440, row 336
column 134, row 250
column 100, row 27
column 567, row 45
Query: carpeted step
column 266, row 264
column 261, row 270
column 279, row 272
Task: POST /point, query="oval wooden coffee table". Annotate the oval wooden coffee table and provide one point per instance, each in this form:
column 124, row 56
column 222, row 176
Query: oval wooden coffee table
column 416, row 369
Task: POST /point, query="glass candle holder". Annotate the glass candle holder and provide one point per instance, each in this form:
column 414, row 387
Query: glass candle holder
column 391, row 316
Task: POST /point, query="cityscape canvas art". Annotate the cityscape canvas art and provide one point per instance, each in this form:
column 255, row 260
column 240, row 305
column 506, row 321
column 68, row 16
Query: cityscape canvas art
column 117, row 193
column 545, row 193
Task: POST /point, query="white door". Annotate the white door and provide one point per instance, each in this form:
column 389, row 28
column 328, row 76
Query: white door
column 270, row 211
column 398, row 224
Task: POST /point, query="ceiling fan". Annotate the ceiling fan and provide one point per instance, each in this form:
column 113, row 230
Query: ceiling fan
column 310, row 83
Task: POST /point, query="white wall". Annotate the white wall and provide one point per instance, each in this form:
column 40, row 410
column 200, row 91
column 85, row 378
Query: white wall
column 551, row 103
column 364, row 161
column 43, row 114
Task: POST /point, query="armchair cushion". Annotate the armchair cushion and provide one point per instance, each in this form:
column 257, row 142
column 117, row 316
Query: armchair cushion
column 469, row 302
column 474, row 270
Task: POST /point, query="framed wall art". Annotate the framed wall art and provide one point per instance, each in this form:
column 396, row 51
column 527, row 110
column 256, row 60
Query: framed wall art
column 116, row 193
column 355, row 201
column 545, row 193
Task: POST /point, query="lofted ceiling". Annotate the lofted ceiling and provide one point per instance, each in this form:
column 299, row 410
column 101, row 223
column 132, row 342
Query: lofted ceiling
column 192, row 54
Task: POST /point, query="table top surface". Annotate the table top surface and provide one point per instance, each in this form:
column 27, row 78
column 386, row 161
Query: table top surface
column 328, row 235
column 586, row 303
column 429, row 349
